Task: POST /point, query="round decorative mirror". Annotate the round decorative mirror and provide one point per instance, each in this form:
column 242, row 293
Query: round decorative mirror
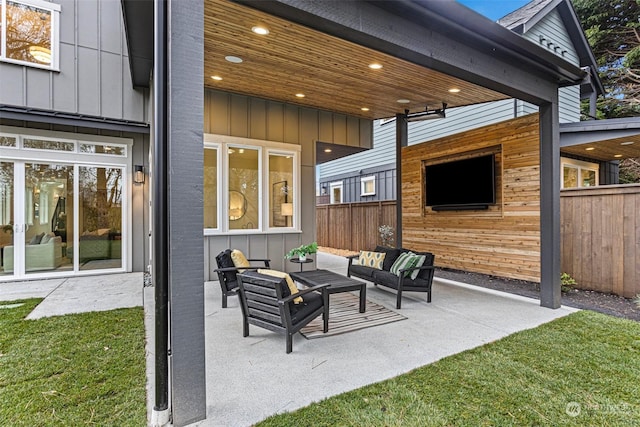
column 237, row 205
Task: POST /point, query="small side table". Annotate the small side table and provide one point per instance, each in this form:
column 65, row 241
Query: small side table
column 302, row 263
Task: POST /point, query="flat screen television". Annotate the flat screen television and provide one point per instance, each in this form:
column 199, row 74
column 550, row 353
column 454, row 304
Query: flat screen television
column 461, row 184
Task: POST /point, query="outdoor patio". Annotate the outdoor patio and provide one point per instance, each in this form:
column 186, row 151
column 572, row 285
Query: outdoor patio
column 249, row 379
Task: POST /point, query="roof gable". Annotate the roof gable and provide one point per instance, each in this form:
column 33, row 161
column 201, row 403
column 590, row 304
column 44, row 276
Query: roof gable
column 524, row 19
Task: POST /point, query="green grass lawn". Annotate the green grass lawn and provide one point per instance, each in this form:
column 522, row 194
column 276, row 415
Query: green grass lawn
column 73, row 370
column 580, row 370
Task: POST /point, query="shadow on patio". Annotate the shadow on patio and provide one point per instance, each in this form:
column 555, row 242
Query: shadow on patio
column 249, row 379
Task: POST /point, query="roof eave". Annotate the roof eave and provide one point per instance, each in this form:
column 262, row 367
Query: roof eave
column 464, row 22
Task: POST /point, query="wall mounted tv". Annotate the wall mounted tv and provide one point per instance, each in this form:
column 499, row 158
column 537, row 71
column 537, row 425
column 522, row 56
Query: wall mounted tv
column 466, row 184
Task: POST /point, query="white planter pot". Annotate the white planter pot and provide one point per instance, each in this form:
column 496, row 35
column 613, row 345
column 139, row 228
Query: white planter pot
column 302, row 258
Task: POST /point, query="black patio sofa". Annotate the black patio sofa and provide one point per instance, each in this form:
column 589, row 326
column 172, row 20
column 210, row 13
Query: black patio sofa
column 422, row 283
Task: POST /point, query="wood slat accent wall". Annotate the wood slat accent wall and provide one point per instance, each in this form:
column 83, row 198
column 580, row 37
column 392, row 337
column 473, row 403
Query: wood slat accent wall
column 502, row 241
column 353, row 226
column 601, row 238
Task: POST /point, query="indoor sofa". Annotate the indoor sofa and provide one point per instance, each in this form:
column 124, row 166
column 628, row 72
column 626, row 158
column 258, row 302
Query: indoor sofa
column 401, row 282
column 39, row 256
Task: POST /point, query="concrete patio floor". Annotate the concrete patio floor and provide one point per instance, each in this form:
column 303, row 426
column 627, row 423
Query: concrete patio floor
column 249, row 379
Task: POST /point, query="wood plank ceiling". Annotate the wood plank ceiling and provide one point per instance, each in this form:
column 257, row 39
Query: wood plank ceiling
column 608, row 149
column 333, row 74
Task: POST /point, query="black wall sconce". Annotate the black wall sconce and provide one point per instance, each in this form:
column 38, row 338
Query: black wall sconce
column 138, row 174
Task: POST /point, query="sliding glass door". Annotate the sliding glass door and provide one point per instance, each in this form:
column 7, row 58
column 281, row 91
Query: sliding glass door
column 48, row 190
column 7, row 217
column 99, row 218
column 58, row 217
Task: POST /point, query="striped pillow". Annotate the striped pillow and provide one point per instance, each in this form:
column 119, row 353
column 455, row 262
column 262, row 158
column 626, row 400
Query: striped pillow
column 371, row 259
column 407, row 260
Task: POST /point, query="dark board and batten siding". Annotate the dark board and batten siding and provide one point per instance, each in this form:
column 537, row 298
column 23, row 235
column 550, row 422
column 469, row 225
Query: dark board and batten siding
column 385, row 189
column 502, row 241
column 94, row 77
column 247, row 117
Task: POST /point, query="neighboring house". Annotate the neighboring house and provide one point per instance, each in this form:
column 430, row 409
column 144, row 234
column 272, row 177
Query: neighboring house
column 551, row 24
column 72, row 132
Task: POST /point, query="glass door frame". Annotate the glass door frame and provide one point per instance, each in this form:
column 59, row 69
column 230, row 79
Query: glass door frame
column 20, row 157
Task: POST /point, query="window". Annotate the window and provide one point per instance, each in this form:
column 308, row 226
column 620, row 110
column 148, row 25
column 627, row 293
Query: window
column 29, row 32
column 112, row 150
column 280, row 186
column 211, row 170
column 578, row 174
column 368, row 186
column 336, row 192
column 244, row 188
column 43, row 144
column 250, row 185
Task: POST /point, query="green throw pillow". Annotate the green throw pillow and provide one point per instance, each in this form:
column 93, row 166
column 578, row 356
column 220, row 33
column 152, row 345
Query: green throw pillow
column 407, row 260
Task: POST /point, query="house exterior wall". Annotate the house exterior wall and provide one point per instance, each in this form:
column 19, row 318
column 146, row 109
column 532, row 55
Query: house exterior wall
column 94, row 77
column 503, row 240
column 247, row 117
column 385, row 178
column 552, row 31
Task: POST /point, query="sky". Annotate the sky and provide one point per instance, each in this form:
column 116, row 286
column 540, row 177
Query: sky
column 494, row 9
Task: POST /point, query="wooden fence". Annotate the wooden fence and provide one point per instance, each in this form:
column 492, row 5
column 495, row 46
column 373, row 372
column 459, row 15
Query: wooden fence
column 600, row 234
column 353, row 226
column 601, row 238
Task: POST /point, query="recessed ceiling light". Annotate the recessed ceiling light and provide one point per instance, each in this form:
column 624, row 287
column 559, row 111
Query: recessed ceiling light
column 300, row 95
column 627, row 143
column 364, row 109
column 260, row 30
column 216, row 78
column 403, row 101
column 375, row 66
column 233, row 59
column 590, row 148
column 327, row 150
column 618, row 155
column 454, row 90
column 241, row 151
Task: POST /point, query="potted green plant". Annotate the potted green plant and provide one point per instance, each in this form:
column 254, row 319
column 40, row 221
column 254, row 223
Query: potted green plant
column 302, row 251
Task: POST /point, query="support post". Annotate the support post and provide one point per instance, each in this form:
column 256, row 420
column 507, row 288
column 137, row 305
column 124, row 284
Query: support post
column 185, row 60
column 550, row 295
column 402, row 140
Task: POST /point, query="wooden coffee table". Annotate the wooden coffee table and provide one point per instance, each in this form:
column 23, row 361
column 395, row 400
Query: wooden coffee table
column 337, row 283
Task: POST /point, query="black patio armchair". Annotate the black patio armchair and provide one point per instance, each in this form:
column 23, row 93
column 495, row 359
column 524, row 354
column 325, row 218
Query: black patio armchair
column 227, row 272
column 267, row 302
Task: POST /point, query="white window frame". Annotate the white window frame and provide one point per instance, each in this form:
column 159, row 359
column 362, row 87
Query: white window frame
column 77, row 160
column 336, row 184
column 219, row 210
column 296, row 190
column 225, row 196
column 580, row 165
column 363, row 185
column 265, row 148
column 55, row 33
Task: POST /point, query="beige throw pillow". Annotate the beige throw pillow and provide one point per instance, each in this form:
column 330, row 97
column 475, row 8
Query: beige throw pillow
column 282, row 275
column 239, row 260
column 371, row 259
